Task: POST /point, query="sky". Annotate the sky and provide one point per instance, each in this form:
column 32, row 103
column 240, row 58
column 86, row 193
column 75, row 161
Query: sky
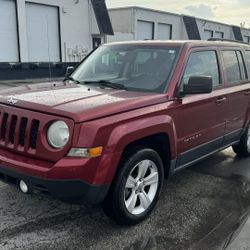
column 227, row 11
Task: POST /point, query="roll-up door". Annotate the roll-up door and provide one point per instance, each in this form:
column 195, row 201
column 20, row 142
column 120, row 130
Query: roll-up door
column 43, row 33
column 145, row 30
column 8, row 32
column 208, row 34
column 164, row 31
column 219, row 34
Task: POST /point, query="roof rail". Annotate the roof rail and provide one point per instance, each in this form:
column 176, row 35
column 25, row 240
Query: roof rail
column 227, row 40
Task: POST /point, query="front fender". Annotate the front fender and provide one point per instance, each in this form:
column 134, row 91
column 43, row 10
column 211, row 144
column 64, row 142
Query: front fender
column 129, row 132
column 114, row 133
column 132, row 131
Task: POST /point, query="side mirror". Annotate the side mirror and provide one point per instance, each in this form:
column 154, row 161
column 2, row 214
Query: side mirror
column 69, row 70
column 199, row 85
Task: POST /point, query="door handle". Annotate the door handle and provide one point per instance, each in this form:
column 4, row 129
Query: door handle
column 247, row 92
column 221, row 100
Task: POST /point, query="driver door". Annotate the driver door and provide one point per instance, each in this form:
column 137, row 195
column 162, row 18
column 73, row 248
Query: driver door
column 200, row 121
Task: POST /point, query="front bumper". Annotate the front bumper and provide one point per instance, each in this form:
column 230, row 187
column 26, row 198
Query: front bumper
column 71, row 191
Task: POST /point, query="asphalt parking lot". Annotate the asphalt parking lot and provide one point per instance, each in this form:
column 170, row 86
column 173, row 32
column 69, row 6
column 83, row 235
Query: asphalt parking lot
column 204, row 207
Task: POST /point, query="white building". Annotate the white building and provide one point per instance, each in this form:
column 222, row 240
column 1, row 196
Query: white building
column 136, row 23
column 40, row 38
column 51, row 30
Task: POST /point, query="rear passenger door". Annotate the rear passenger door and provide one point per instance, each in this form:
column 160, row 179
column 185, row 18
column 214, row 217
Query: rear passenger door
column 237, row 92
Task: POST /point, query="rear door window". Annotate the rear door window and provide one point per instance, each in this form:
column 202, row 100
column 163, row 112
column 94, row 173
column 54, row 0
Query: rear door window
column 248, row 58
column 242, row 65
column 234, row 66
column 202, row 63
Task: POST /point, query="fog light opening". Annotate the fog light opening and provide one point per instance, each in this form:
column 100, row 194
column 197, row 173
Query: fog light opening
column 23, row 187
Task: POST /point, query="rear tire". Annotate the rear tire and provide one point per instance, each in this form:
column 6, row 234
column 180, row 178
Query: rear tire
column 135, row 190
column 242, row 149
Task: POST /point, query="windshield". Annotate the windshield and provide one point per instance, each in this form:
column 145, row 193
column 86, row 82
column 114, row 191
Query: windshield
column 135, row 67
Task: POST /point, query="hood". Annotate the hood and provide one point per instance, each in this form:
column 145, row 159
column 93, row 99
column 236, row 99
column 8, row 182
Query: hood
column 79, row 102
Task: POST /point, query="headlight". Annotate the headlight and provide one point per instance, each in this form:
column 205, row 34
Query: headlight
column 58, row 134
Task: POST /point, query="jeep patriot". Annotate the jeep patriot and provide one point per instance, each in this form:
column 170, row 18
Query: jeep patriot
column 128, row 116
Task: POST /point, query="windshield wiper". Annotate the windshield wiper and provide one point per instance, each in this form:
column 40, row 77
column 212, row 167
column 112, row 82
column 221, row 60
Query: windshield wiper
column 71, row 79
column 105, row 83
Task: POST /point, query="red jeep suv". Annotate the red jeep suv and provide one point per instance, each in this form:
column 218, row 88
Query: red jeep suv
column 129, row 115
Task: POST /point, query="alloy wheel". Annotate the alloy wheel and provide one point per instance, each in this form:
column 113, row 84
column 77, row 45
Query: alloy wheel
column 141, row 187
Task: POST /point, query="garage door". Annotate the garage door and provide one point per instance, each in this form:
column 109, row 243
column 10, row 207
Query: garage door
column 164, row 31
column 145, row 30
column 208, row 34
column 43, row 33
column 218, row 34
column 8, row 32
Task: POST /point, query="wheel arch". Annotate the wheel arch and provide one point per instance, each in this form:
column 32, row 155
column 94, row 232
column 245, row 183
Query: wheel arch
column 158, row 142
column 157, row 133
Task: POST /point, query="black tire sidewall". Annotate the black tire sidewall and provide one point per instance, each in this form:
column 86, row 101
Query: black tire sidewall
column 245, row 139
column 241, row 149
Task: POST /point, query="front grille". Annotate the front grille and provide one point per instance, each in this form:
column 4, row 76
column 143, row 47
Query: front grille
column 18, row 131
column 23, row 132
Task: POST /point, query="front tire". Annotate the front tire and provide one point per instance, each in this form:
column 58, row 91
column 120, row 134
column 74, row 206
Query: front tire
column 242, row 149
column 136, row 188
